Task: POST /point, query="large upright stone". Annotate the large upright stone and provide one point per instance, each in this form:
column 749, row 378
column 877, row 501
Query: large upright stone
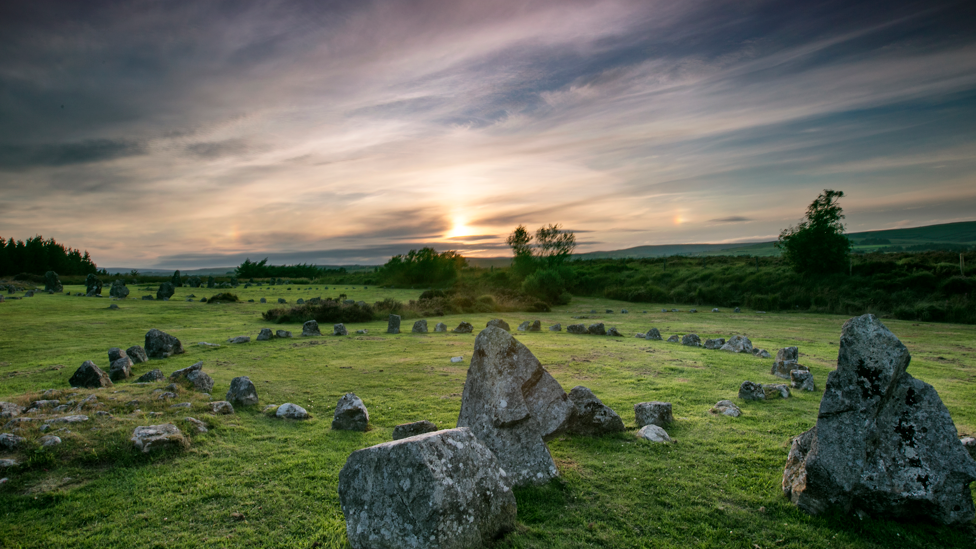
column 211, row 282
column 52, row 283
column 118, row 289
column 311, row 328
column 653, row 334
column 393, row 324
column 440, row 327
column 89, row 376
column 443, row 489
column 121, row 368
column 165, row 291
column 350, row 414
column 93, row 285
column 511, row 403
column 162, row 345
column 176, row 280
column 242, row 392
column 590, row 415
column 884, row 443
column 265, row 335
column 194, row 281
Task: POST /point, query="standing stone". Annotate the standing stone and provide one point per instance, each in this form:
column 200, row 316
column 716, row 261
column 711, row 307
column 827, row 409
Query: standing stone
column 115, row 353
column 151, row 376
column 751, row 391
column 653, row 334
column 263, row 300
column 265, row 335
column 786, row 362
column 158, row 437
column 884, row 442
column 162, row 345
column 464, row 328
column 89, row 376
column 242, row 392
column 802, row 380
column 176, row 280
column 211, row 282
column 442, row 489
column 523, row 326
column 195, row 376
column 714, row 343
column 121, row 368
column 653, row 413
column 691, row 340
column 597, row 329
column 405, row 430
column 118, row 289
column 738, row 344
column 52, row 283
column 674, row 339
column 440, row 327
column 536, row 326
column 737, row 310
column 339, row 330
column 350, row 414
column 576, row 329
column 282, row 300
column 393, row 324
column 557, row 327
column 137, row 354
column 93, row 285
column 300, row 301
column 282, row 333
column 500, row 324
column 776, row 390
column 590, row 415
column 165, row 291
column 194, row 281
column 512, row 404
column 420, row 327
column 311, row 328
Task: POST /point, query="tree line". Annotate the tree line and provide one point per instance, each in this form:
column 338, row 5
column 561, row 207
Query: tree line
column 261, row 269
column 36, row 256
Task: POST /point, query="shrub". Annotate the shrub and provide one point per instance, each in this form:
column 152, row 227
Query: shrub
column 224, row 297
column 326, row 311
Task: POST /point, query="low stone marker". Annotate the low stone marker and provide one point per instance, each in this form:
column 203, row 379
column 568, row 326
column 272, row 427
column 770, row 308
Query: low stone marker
column 393, row 324
column 590, row 415
column 500, row 324
column 311, row 328
column 265, row 335
column 653, row 334
column 802, row 380
column 751, row 391
column 120, row 369
column 339, row 330
column 420, row 327
column 221, row 407
column 242, row 392
column 738, row 344
column 786, row 361
column 691, row 340
column 282, row 333
column 89, row 376
column 158, row 437
column 653, row 433
column 405, row 430
column 653, row 413
column 151, row 376
column 350, row 414
column 291, row 411
column 714, row 344
column 464, row 328
column 613, row 332
column 444, row 489
column 726, row 408
column 576, row 329
column 557, row 327
column 674, row 339
column 195, row 376
column 597, row 329
column 239, row 339
column 440, row 327
column 281, row 301
column 162, row 345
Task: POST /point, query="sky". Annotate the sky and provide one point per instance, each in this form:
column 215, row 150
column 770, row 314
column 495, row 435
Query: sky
column 170, row 134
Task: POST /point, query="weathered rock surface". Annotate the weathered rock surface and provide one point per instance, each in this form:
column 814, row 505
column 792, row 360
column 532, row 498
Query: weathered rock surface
column 162, row 345
column 653, row 413
column 200, row 426
column 464, row 328
column 499, row 323
column 120, row 369
column 786, row 361
column 884, row 442
column 151, row 376
column 802, row 380
column 751, row 391
column 265, row 335
column 165, row 291
column 714, row 343
column 691, row 340
column 597, row 329
column 405, row 430
column 576, row 329
column 339, row 330
column 674, row 339
column 93, row 285
column 420, row 327
column 242, row 392
column 442, row 489
column 523, row 326
column 291, row 411
column 738, row 344
column 774, row 390
column 48, row 441
column 511, row 403
column 158, row 437
column 440, row 327
column 239, row 339
column 52, row 283
column 90, row 376
column 311, row 328
column 557, row 327
column 118, row 289
column 10, row 410
column 221, row 407
column 137, row 354
column 350, row 414
column 10, row 441
column 613, row 332
column 393, row 324
column 590, row 415
column 195, row 376
column 653, row 433
column 726, row 408
column 115, row 353
column 761, row 353
column 653, row 334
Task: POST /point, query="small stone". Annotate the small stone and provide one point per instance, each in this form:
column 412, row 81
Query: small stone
column 162, row 345
column 761, row 353
column 802, row 380
column 181, row 405
column 265, row 335
column 5, row 463
column 674, row 339
column 420, row 327
column 311, row 328
column 239, row 339
column 653, row 433
column 556, row 327
column 590, row 415
column 576, row 329
column 151, row 376
column 691, row 340
column 715, row 310
column 440, row 327
column 738, row 344
column 523, row 326
column 137, row 354
column 221, row 407
column 456, row 359
column 120, row 369
column 281, row 301
column 653, row 413
column 242, row 392
column 726, row 408
column 10, row 441
column 47, row 441
column 263, row 300
column 158, row 437
column 751, row 391
column 464, row 328
column 405, row 430
column 339, row 330
column 497, row 322
column 350, row 414
column 200, row 426
column 195, row 376
column 90, row 376
column 613, row 332
column 282, row 333
column 776, row 390
column 291, row 411
column 737, row 310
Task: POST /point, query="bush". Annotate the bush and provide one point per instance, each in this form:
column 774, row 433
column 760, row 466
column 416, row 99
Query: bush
column 225, row 297
column 329, row 311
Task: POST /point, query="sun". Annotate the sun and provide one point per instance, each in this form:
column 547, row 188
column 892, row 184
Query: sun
column 459, row 227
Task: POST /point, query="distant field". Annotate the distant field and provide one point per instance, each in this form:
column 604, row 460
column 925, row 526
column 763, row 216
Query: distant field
column 718, row 486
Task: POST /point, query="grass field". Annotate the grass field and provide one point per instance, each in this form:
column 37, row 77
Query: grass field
column 718, row 486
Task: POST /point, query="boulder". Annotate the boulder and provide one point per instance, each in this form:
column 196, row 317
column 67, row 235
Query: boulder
column 726, row 408
column 239, row 339
column 884, row 443
column 211, row 282
column 48, row 441
column 751, row 391
column 761, row 353
column 776, row 390
column 576, row 329
column 737, row 310
column 596, row 329
column 511, row 403
column 165, row 291
column 52, row 283
column 613, row 332
column 221, row 407
column 499, row 323
column 557, row 327
column 802, row 380
column 158, row 437
column 242, row 392
column 176, row 280
column 194, row 281
column 282, row 301
column 715, row 310
column 282, row 333
column 590, row 415
column 393, row 324
column 10, row 441
column 691, row 340
column 457, row 359
column 653, row 433
column 405, row 430
column 120, row 369
column 89, row 376
column 786, row 362
column 10, row 410
column 738, row 344
column 969, row 443
column 674, row 339
column 118, row 289
column 265, row 335
column 200, row 426
column 523, row 326
column 714, row 343
column 162, row 345
column 653, row 334
column 464, row 328
column 350, row 414
column 195, row 376
column 311, row 328
column 535, row 326
column 115, row 353
column 442, row 489
column 653, row 413
column 420, row 327
column 339, row 330
column 263, row 300
column 291, row 411
column 93, row 285
column 440, row 327
column 151, row 376
column 299, row 301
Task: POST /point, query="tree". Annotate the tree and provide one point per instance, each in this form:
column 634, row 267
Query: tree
column 817, row 244
column 542, row 272
column 523, row 264
column 554, row 244
column 425, row 266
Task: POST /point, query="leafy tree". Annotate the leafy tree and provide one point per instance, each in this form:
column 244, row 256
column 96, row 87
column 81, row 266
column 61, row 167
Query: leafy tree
column 818, row 244
column 425, row 266
column 523, row 263
column 554, row 244
column 541, row 270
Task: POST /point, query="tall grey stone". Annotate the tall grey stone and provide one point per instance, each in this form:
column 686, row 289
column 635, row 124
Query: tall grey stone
column 194, row 281
column 884, row 442
column 440, row 327
column 311, row 328
column 159, row 344
column 176, row 280
column 802, row 380
column 242, row 392
column 165, row 291
column 512, row 404
column 444, row 489
column 52, row 283
column 211, row 282
column 350, row 414
column 93, row 285
column 265, row 335
column 393, row 324
column 340, row 330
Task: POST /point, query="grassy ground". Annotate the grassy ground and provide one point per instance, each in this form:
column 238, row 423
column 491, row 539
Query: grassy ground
column 718, row 486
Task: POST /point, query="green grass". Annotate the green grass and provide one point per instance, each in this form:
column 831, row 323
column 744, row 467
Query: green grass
column 718, row 486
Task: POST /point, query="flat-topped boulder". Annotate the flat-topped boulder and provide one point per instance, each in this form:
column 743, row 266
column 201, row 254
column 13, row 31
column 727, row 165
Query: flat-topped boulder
column 89, row 376
column 590, row 415
column 405, row 430
column 152, row 438
column 499, row 323
column 738, row 344
column 884, row 443
column 195, row 376
column 511, row 403
column 444, row 489
column 653, row 413
column 350, row 414
column 159, row 344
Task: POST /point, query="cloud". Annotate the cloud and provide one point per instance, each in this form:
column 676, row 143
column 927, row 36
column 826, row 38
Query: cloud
column 731, row 219
column 16, row 157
